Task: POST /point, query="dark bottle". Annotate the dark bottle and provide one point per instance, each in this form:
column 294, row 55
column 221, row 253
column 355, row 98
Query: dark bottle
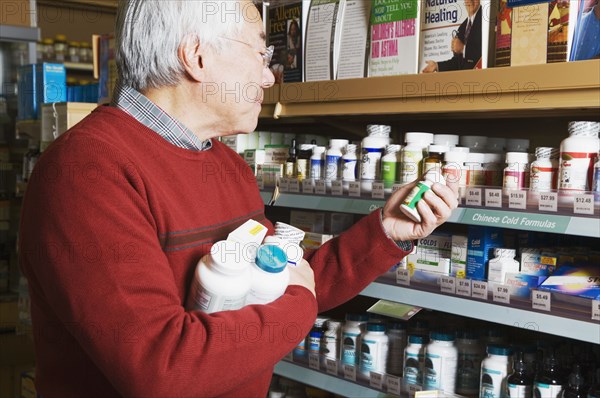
column 549, row 382
column 290, row 163
column 594, row 391
column 520, row 382
column 576, row 387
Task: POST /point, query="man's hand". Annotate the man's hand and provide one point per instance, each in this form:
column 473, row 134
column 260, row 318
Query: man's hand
column 458, row 47
column 435, row 208
column 303, row 275
column 431, row 67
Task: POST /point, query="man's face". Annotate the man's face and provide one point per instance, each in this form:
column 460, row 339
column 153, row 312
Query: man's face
column 472, row 6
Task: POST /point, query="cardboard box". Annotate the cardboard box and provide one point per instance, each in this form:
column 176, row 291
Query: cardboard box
column 458, row 256
column 482, row 241
column 336, row 223
column 59, row 117
column 38, row 84
column 522, row 284
column 432, row 254
column 313, row 241
column 533, row 262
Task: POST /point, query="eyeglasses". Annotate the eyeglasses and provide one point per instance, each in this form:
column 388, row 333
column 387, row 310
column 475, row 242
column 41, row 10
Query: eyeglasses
column 266, row 53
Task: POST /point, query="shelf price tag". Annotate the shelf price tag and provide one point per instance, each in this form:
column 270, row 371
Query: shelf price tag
column 354, row 189
column 596, row 310
column 463, row 287
column 403, row 277
column 260, row 181
column 294, row 186
column 284, row 185
column 517, row 200
column 289, row 356
column 583, row 204
column 337, row 188
column 540, row 300
column 307, row 186
column 378, row 190
column 474, row 197
column 393, row 384
column 548, row 202
column 448, row 284
column 396, row 187
column 413, row 389
column 320, row 187
column 479, row 290
column 313, row 361
column 501, row 294
column 349, row 372
column 376, row 380
column 493, row 198
column 332, row 366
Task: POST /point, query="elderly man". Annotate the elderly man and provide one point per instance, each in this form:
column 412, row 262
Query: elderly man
column 120, row 209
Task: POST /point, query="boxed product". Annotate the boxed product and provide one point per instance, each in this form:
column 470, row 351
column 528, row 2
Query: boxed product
column 237, row 143
column 40, row 84
column 522, row 284
column 308, row 221
column 533, row 262
column 276, row 154
column 482, row 241
column 255, row 158
column 430, row 252
column 458, row 256
column 580, row 281
column 271, row 173
column 313, row 240
column 59, row 117
column 336, row 223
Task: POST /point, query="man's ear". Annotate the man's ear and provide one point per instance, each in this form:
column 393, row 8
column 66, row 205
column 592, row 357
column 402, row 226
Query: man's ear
column 189, row 54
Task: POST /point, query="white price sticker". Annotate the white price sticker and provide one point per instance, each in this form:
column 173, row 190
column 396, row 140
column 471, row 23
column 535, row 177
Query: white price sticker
column 413, row 389
column 493, row 198
column 463, row 287
column 448, row 284
column 583, row 204
column 501, row 294
column 396, row 187
column 354, row 189
column 349, row 372
column 332, row 366
column 337, row 188
column 289, row 357
column 294, row 185
column 313, row 361
column 479, row 290
column 540, row 300
column 517, row 200
column 376, row 380
column 260, row 181
column 596, row 310
column 378, row 190
column 307, row 186
column 548, row 202
column 320, row 187
column 403, row 277
column 474, row 197
column 393, row 384
column 284, row 185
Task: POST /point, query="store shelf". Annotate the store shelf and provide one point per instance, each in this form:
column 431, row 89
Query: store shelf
column 19, row 33
column 78, row 66
column 324, row 381
column 559, row 321
column 559, row 88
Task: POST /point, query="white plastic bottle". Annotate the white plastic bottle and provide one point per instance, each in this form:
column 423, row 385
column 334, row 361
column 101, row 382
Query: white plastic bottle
column 494, row 371
column 333, row 159
column 370, row 160
column 397, row 343
column 493, row 168
column 475, row 143
column 475, row 171
column 351, row 337
column 330, row 343
column 577, row 157
column 316, row 162
column 409, row 204
column 503, row 262
column 470, row 355
column 414, row 359
column 349, row 162
column 441, row 362
column 389, row 166
column 454, row 168
column 374, row 344
column 544, row 170
column 293, row 252
column 412, row 155
column 516, row 173
column 447, row 140
column 270, row 276
column 222, row 279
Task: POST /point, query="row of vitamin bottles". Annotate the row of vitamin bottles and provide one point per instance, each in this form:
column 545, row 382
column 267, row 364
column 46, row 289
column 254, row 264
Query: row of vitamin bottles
column 488, row 365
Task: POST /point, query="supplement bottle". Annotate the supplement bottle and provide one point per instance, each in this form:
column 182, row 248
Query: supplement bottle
column 594, row 391
column 397, row 343
column 349, row 161
column 516, row 173
column 303, row 161
column 435, row 159
column 494, row 370
column 517, row 145
column 222, row 279
column 492, row 168
column 316, row 162
column 544, row 170
column 330, row 342
column 470, row 355
column 333, row 159
column 414, row 359
column 519, row 383
column 454, row 169
column 495, row 145
column 549, row 381
column 270, row 276
column 373, row 349
column 316, row 335
column 351, row 338
column 576, row 386
column 61, row 48
column 577, row 157
column 475, row 143
column 390, row 163
column 596, row 180
column 370, row 160
column 441, row 361
column 503, row 262
column 447, row 140
column 409, row 204
column 412, row 156
column 475, row 171
column 290, row 162
column 379, row 130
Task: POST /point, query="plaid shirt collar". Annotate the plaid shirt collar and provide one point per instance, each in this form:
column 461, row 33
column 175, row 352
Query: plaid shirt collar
column 150, row 115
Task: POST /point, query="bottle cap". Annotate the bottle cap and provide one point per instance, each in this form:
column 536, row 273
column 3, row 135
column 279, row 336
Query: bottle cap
column 492, row 158
column 413, row 137
column 455, row 156
column 338, row 143
column 474, row 157
column 229, row 257
column 375, row 327
column 499, row 350
column 417, row 339
column 584, row 129
column 306, row 147
column 435, row 148
column 318, row 150
column 501, row 252
column 392, row 148
column 441, row 336
column 357, row 317
column 496, row 144
column 476, row 143
column 396, row 326
column 467, row 335
column 462, row 149
column 271, row 259
column 375, row 143
column 379, row 130
column 350, row 148
column 517, row 145
column 517, row 157
column 448, row 140
column 546, row 152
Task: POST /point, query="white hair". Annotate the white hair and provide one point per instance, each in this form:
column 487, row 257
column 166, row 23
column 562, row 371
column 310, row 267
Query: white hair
column 150, row 32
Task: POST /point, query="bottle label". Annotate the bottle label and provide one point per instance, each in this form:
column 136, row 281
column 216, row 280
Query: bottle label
column 348, row 169
column 542, row 390
column 210, row 302
column 493, row 176
column 411, row 165
column 576, row 170
column 518, row 391
column 373, row 356
column 329, row 347
column 432, row 373
column 491, row 383
column 412, row 368
column 415, row 195
column 596, row 184
column 314, row 345
column 349, row 348
column 543, row 178
column 515, row 179
column 469, row 366
column 475, row 177
column 332, row 163
column 300, row 349
column 388, row 173
column 315, row 168
column 302, row 169
column 289, row 169
column 369, row 164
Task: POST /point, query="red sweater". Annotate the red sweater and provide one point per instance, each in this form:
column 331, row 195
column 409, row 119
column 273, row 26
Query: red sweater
column 114, row 221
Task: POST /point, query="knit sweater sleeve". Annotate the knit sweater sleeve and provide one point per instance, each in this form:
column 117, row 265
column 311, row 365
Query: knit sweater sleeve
column 89, row 244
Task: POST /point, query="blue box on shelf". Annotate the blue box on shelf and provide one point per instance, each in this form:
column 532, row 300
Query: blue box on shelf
column 38, row 84
column 482, row 241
